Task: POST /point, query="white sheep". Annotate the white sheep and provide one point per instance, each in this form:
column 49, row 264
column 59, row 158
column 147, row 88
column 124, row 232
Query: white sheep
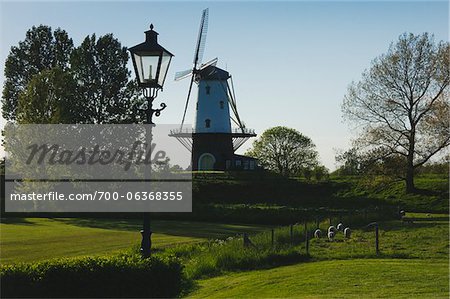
column 340, row 227
column 347, row 232
column 331, row 229
column 317, row 233
column 331, row 236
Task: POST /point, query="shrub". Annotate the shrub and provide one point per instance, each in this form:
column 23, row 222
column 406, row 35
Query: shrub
column 125, row 275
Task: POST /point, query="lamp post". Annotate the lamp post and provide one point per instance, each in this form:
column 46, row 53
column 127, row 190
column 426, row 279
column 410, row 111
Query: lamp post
column 151, row 63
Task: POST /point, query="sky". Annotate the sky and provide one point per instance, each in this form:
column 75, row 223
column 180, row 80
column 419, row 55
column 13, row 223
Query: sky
column 291, row 62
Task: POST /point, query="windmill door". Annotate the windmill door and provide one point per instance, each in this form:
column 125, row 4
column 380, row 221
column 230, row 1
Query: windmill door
column 206, row 162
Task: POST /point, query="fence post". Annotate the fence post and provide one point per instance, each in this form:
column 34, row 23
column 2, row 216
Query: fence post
column 317, row 222
column 329, row 220
column 306, row 239
column 291, row 233
column 273, row 236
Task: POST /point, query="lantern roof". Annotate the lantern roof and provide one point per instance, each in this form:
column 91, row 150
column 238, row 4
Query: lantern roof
column 150, row 44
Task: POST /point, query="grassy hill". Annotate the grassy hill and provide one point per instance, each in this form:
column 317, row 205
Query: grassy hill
column 432, row 193
column 334, row 192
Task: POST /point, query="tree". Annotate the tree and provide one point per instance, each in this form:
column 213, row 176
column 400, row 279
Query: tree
column 321, row 172
column 41, row 50
column 349, row 161
column 401, row 103
column 100, row 68
column 284, row 150
column 49, row 98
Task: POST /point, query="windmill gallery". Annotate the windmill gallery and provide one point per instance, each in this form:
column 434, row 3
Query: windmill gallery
column 213, row 142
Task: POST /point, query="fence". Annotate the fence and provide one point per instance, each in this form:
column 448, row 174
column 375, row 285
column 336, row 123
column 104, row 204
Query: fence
column 302, row 232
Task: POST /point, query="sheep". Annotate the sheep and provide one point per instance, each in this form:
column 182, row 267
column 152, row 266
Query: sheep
column 331, row 229
column 330, row 236
column 347, row 232
column 340, row 227
column 317, row 233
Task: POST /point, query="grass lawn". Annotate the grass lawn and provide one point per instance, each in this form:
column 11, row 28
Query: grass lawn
column 32, row 239
column 413, row 263
column 359, row 278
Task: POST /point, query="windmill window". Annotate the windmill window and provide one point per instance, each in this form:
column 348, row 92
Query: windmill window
column 208, row 89
column 222, row 104
column 207, row 123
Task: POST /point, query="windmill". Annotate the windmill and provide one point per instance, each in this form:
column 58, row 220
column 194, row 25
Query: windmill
column 213, row 141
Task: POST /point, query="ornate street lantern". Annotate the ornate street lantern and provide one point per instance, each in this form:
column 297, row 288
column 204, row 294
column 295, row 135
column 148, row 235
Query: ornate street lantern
column 151, row 63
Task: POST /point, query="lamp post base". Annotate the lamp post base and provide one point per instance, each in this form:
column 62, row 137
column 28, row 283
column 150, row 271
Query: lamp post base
column 146, row 243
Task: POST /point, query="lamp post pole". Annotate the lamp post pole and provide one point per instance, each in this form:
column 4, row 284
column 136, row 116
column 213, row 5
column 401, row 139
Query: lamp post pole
column 146, row 232
column 151, row 63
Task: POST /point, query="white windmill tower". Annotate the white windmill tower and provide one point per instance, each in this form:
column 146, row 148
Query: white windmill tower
column 213, row 141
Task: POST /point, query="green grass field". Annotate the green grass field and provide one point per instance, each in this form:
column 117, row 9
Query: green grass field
column 413, row 263
column 33, row 239
column 358, row 278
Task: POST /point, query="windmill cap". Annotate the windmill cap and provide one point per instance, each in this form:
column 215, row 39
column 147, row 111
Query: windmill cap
column 214, row 73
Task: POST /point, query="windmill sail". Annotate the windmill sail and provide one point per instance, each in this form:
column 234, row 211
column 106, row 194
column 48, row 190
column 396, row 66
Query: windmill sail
column 201, row 41
column 183, row 74
column 212, row 62
column 198, row 56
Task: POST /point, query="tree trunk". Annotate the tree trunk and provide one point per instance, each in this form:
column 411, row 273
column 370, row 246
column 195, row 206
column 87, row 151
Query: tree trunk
column 410, row 188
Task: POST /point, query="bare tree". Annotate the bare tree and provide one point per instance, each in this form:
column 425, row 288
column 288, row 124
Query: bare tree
column 401, row 103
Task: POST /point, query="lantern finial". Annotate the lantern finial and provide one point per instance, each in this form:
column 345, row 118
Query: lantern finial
column 151, row 26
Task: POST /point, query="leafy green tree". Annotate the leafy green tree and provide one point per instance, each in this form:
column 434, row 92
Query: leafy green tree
column 2, row 169
column 349, row 161
column 100, row 68
column 50, row 97
column 320, row 172
column 401, row 104
column 42, row 49
column 284, row 150
column 307, row 173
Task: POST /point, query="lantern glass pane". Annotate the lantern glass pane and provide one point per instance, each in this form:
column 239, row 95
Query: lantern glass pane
column 165, row 61
column 146, row 67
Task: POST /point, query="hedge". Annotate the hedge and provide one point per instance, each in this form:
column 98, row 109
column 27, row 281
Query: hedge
column 125, row 275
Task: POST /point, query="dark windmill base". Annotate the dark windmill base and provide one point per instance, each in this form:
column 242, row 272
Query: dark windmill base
column 210, row 151
column 215, row 151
